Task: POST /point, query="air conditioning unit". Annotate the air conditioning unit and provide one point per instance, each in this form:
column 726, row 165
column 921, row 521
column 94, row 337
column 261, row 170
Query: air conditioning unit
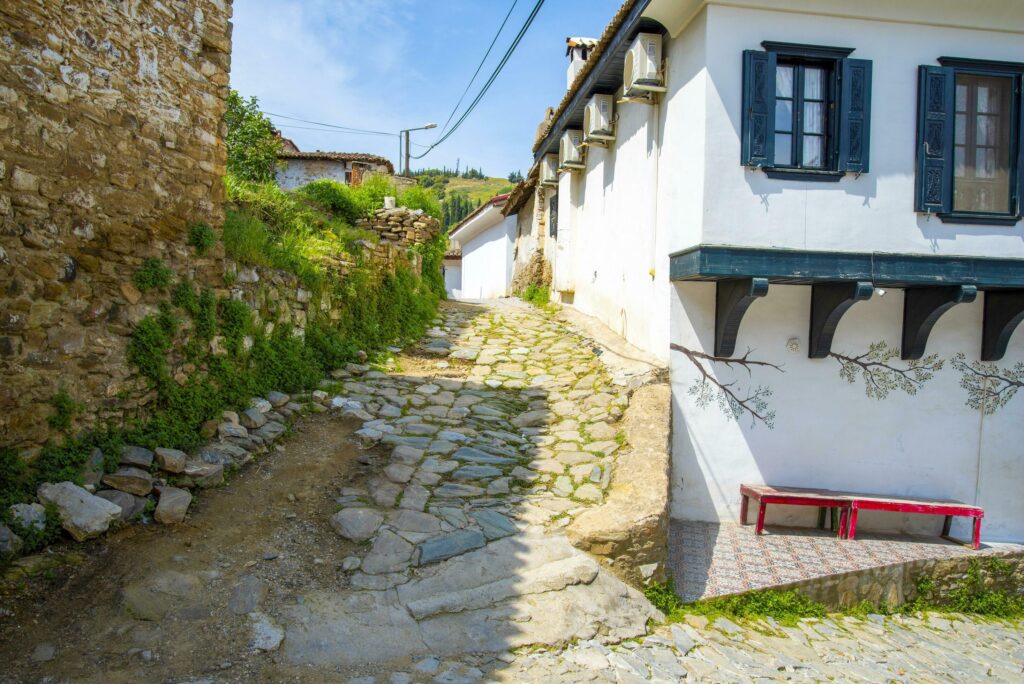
column 549, row 170
column 570, row 151
column 642, row 71
column 597, row 119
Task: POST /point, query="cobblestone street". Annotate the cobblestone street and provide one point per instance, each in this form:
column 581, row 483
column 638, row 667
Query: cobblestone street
column 417, row 531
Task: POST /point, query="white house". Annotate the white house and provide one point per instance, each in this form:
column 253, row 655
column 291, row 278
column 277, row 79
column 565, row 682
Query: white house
column 486, row 238
column 299, row 168
column 812, row 210
column 452, row 267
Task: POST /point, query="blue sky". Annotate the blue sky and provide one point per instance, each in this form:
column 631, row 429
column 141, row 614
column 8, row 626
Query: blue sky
column 391, row 64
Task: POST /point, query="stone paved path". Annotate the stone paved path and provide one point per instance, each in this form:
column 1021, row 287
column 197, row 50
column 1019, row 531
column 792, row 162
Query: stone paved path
column 478, row 458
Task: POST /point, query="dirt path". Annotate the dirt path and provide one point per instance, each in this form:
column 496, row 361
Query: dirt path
column 264, row 532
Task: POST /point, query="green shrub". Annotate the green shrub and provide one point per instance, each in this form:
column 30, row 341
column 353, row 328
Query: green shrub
column 338, row 198
column 202, row 237
column 251, row 142
column 64, row 411
column 417, row 197
column 374, row 189
column 153, row 274
column 15, row 482
column 536, row 295
column 246, row 238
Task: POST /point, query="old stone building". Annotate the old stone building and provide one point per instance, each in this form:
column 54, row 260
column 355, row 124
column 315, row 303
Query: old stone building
column 111, row 145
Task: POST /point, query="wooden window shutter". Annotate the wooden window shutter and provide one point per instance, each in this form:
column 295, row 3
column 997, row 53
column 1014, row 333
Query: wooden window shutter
column 758, row 127
column 854, row 114
column 935, row 120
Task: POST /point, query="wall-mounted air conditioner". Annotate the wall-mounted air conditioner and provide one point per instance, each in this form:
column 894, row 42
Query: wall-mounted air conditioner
column 598, row 125
column 570, row 151
column 549, row 170
column 641, row 73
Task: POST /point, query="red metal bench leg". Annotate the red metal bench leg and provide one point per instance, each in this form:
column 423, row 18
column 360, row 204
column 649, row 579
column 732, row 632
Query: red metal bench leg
column 976, row 540
column 844, row 514
column 760, row 518
column 744, row 504
column 851, row 525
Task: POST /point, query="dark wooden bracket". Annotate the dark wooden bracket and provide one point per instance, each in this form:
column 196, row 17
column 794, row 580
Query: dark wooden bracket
column 829, row 301
column 1004, row 310
column 732, row 298
column 922, row 307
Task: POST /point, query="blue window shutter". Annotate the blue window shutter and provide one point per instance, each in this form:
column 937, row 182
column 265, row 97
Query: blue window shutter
column 935, row 120
column 1020, row 145
column 758, row 127
column 854, row 115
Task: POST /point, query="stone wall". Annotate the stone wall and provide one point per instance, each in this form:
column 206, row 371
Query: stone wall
column 111, row 144
column 893, row 585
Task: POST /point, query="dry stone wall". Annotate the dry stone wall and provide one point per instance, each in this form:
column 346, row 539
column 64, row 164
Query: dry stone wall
column 111, row 145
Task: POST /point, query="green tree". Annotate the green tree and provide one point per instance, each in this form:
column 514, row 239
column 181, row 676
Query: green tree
column 515, row 177
column 252, row 144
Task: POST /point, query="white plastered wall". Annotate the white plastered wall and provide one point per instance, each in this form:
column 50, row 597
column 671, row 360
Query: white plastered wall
column 487, row 261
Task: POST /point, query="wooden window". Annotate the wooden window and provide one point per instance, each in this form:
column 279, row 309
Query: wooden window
column 969, row 155
column 806, row 111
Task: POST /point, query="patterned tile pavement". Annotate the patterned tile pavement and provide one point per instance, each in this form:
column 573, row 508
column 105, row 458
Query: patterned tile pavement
column 713, row 559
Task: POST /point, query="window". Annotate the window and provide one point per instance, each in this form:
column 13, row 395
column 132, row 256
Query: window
column 806, row 111
column 969, row 141
column 553, row 216
column 801, row 110
column 981, row 143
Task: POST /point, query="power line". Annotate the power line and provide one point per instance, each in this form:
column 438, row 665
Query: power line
column 320, row 123
column 478, row 68
column 490, row 81
column 331, row 130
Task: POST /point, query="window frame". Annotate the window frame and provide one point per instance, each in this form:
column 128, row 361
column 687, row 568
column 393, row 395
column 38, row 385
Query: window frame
column 830, row 58
column 1014, row 70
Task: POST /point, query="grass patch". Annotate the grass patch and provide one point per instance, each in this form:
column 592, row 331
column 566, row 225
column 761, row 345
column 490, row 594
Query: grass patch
column 64, row 411
column 153, row 274
column 201, row 237
column 536, row 295
column 785, row 607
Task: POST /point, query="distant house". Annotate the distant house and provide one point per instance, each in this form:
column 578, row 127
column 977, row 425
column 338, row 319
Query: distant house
column 299, row 168
column 453, row 272
column 486, row 238
column 812, row 212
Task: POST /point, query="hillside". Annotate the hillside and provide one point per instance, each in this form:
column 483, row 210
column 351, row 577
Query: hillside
column 478, row 189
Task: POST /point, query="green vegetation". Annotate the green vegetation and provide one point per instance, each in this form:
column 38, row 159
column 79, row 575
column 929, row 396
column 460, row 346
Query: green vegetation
column 201, row 237
column 786, row 607
column 64, row 411
column 536, row 295
column 252, row 145
column 971, row 596
column 153, row 274
column 515, row 177
column 32, row 537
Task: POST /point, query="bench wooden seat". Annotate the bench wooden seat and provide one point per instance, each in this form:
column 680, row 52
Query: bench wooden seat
column 851, row 503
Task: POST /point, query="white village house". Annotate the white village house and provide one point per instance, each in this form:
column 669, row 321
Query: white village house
column 811, row 210
column 486, row 238
column 299, row 168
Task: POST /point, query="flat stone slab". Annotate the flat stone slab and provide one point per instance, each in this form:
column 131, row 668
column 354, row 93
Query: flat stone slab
column 172, row 506
column 132, row 480
column 81, row 514
column 136, row 456
column 494, row 524
column 356, row 524
column 475, row 472
column 477, row 456
column 450, row 545
column 451, row 490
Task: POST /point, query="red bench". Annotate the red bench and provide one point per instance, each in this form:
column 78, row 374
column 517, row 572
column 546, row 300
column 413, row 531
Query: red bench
column 851, row 503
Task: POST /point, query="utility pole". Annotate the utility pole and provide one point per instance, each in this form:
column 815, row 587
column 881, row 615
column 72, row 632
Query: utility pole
column 404, row 133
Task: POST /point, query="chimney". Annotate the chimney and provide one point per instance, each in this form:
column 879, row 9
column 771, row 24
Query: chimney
column 577, row 49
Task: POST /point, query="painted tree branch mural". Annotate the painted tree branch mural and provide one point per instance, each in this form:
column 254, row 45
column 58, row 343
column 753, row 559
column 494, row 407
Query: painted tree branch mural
column 731, row 398
column 988, row 386
column 881, row 372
